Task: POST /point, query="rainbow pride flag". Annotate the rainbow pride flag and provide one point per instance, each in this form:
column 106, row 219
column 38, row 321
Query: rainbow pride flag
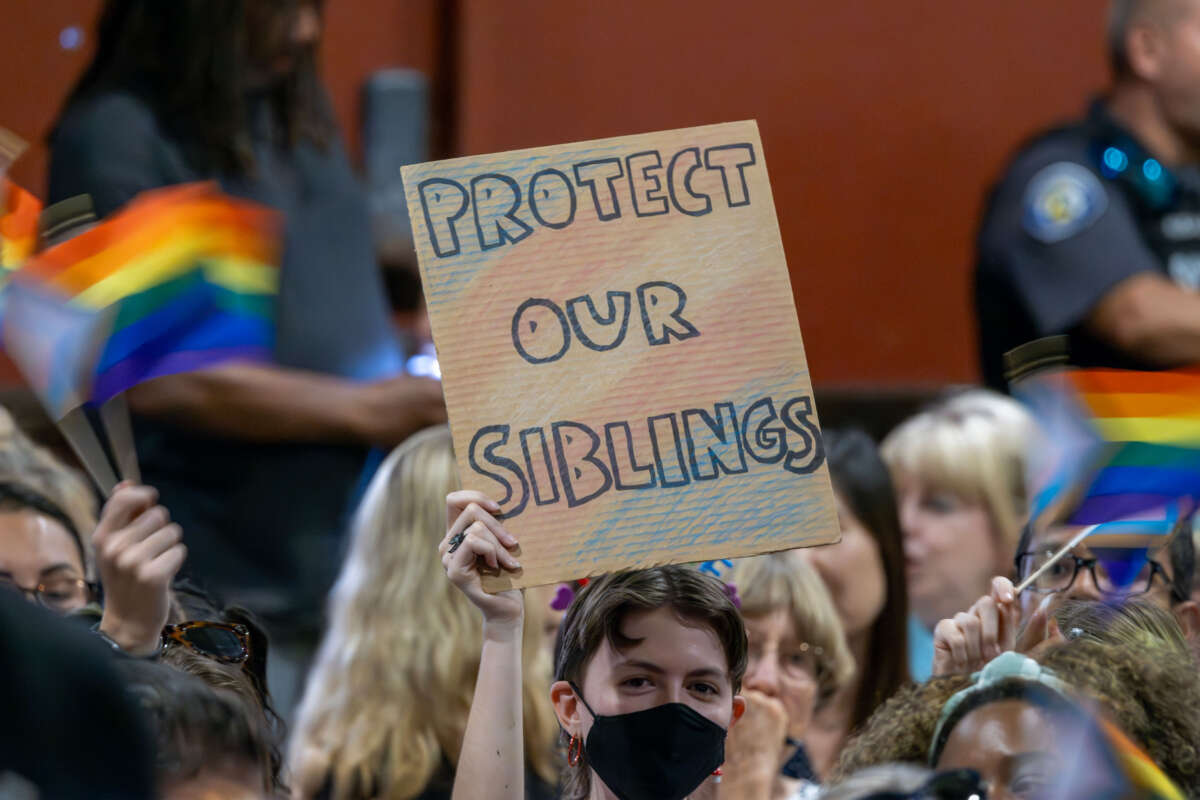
column 19, row 212
column 1120, row 450
column 190, row 275
column 1144, row 779
column 55, row 344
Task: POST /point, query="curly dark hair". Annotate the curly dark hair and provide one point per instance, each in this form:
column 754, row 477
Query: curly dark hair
column 1151, row 693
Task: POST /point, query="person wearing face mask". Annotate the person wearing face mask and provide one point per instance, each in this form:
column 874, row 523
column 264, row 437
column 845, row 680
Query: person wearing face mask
column 385, row 707
column 959, row 471
column 648, row 666
column 798, row 662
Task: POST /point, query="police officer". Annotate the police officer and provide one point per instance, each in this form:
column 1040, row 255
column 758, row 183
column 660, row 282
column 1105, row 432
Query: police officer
column 1094, row 230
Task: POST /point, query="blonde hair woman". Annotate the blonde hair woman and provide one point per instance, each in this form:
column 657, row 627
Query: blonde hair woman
column 959, row 470
column 798, row 660
column 386, row 705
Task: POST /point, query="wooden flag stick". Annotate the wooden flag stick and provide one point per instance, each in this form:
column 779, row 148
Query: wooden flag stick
column 1066, row 548
column 114, row 415
column 78, row 432
column 11, row 147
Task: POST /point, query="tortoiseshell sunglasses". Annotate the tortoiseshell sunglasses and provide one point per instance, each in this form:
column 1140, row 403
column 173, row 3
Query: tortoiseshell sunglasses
column 222, row 641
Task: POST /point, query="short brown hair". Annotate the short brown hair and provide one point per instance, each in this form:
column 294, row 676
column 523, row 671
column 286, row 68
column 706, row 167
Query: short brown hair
column 601, row 607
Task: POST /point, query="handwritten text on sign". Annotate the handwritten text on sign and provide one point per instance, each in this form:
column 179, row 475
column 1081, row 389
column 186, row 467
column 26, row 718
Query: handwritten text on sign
column 621, row 357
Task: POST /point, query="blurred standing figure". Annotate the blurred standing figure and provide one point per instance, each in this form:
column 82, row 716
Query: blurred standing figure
column 1094, row 231
column 257, row 462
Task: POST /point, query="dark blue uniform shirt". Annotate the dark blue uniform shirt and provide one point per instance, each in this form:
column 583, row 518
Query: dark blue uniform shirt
column 1079, row 209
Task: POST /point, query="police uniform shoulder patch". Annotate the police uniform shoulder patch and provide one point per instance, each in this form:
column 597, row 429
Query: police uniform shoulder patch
column 1062, row 200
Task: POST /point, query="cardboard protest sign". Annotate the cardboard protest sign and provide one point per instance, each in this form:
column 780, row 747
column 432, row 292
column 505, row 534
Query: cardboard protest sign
column 620, row 352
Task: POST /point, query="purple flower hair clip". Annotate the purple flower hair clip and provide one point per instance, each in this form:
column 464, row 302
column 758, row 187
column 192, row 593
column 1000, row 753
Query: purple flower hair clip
column 563, row 597
column 566, row 594
column 731, row 590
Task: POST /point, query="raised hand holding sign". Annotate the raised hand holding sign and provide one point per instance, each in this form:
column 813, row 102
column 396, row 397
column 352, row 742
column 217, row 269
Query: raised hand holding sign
column 621, row 357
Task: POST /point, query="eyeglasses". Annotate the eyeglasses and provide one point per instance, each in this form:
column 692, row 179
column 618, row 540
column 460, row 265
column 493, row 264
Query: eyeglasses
column 229, row 643
column 57, row 594
column 955, row 784
column 1061, row 576
column 802, row 659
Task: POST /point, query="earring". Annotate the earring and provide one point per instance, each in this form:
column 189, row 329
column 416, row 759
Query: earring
column 717, row 774
column 574, row 751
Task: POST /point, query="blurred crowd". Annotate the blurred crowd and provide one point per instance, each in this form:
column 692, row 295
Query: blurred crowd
column 288, row 602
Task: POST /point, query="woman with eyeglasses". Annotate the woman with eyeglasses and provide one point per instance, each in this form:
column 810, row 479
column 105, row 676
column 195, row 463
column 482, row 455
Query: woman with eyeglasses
column 138, row 551
column 43, row 556
column 798, row 661
column 1004, row 620
column 1037, row 728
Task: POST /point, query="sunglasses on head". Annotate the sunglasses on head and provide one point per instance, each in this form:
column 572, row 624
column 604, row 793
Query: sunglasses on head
column 223, row 641
column 955, row 784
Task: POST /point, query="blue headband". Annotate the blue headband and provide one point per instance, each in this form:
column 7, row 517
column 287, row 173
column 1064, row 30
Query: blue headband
column 1008, row 666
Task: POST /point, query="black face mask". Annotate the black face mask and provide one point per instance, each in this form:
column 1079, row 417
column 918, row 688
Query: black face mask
column 662, row 753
